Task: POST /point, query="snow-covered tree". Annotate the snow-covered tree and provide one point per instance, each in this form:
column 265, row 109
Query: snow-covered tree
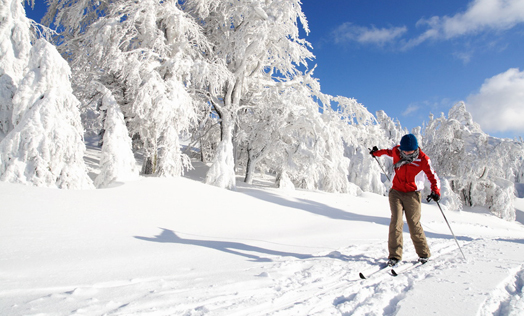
column 45, row 147
column 263, row 128
column 205, row 136
column 172, row 161
column 259, row 43
column 392, row 129
column 519, row 177
column 285, row 134
column 117, row 161
column 149, row 54
column 480, row 168
column 15, row 45
column 362, row 132
column 334, row 174
column 259, row 130
column 298, row 143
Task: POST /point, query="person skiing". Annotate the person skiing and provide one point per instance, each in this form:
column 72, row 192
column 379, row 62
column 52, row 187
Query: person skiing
column 410, row 166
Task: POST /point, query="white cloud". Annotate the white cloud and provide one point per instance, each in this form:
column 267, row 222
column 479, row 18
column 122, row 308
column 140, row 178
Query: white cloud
column 348, row 32
column 499, row 104
column 464, row 56
column 410, row 109
column 481, row 15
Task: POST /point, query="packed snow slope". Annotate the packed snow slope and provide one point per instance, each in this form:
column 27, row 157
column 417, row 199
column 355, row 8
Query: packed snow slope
column 175, row 246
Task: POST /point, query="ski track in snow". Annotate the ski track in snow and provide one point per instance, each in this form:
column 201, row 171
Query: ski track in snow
column 508, row 298
column 327, row 284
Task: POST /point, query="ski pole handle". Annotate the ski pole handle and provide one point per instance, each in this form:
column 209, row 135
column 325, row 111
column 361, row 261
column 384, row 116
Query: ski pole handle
column 380, row 165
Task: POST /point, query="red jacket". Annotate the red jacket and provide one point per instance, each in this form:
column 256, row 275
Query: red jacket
column 410, row 177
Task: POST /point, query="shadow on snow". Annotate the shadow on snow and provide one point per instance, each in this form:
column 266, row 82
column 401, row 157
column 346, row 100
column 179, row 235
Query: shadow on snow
column 253, row 253
column 316, row 208
column 337, row 214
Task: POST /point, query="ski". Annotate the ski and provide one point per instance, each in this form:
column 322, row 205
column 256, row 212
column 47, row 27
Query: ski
column 406, row 267
column 379, row 268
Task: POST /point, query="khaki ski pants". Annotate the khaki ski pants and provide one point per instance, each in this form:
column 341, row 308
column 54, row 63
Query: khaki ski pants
column 410, row 203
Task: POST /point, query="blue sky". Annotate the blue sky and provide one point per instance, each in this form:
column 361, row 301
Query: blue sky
column 411, row 58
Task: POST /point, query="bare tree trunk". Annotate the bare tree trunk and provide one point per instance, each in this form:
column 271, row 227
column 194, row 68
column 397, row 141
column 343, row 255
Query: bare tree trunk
column 250, row 168
column 222, row 171
column 252, row 161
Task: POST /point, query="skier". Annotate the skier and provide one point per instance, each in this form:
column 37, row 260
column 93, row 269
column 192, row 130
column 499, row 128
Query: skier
column 410, row 165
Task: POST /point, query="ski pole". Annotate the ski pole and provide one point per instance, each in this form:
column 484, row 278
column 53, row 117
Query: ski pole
column 438, row 204
column 380, row 165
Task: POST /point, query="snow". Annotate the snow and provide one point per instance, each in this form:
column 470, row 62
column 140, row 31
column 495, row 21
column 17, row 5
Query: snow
column 176, row 246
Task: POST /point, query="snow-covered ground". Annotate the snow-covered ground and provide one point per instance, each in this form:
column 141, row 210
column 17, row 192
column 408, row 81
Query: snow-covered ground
column 158, row 246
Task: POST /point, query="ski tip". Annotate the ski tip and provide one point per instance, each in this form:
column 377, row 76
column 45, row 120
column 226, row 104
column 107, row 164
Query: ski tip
column 361, row 276
column 393, row 272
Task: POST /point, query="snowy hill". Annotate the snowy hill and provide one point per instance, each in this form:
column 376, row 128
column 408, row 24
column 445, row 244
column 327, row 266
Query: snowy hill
column 175, row 246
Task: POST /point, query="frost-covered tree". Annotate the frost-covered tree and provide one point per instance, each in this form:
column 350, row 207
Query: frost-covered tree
column 259, row 130
column 315, row 141
column 285, row 134
column 392, row 129
column 519, row 177
column 45, row 147
column 15, row 45
column 362, row 132
column 334, row 174
column 297, row 146
column 149, row 54
column 205, row 136
column 481, row 169
column 262, row 128
column 300, row 157
column 304, row 142
column 117, row 161
column 259, row 43
column 172, row 161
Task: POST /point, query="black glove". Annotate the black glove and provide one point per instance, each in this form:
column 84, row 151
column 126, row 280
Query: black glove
column 372, row 151
column 433, row 196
